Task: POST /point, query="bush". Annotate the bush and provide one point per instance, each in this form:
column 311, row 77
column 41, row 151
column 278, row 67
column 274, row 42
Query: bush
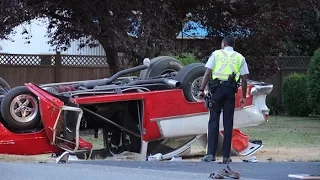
column 313, row 77
column 295, row 95
column 274, row 106
column 186, row 58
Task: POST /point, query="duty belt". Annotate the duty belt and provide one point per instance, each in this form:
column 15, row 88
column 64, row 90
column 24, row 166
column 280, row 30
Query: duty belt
column 227, row 84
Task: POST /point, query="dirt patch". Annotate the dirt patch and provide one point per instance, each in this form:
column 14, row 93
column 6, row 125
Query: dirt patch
column 270, row 154
column 288, row 154
column 21, row 158
column 266, row 154
column 125, row 156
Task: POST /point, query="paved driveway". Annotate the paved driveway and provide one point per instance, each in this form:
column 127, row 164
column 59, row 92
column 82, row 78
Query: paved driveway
column 133, row 170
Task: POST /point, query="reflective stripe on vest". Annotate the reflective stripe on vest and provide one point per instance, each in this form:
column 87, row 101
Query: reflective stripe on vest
column 225, row 64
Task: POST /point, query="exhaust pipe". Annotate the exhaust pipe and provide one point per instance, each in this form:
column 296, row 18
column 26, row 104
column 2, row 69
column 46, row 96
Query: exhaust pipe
column 169, row 82
column 101, row 82
column 172, row 83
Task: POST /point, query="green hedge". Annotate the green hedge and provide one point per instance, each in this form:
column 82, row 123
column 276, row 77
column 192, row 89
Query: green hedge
column 274, row 105
column 295, row 95
column 186, row 58
column 313, row 77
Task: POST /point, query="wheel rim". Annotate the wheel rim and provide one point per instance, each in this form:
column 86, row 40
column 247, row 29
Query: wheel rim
column 195, row 86
column 24, row 108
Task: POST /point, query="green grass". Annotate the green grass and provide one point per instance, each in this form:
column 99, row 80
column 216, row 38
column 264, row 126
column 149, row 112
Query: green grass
column 287, row 132
column 279, row 131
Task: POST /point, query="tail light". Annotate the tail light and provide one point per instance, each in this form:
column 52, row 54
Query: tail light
column 266, row 115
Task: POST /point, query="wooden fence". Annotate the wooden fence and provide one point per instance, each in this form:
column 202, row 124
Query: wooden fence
column 287, row 65
column 18, row 69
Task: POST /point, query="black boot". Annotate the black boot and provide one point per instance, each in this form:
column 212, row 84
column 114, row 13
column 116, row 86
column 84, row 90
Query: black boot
column 226, row 160
column 208, row 158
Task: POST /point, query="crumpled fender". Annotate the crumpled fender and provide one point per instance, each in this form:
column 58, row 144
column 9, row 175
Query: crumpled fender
column 50, row 109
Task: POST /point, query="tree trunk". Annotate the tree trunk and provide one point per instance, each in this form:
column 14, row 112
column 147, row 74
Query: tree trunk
column 112, row 60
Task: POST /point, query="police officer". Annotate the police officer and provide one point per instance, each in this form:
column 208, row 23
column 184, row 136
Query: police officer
column 221, row 66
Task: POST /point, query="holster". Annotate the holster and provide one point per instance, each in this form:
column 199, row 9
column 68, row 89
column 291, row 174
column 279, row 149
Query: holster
column 213, row 86
column 209, row 103
column 233, row 83
column 234, row 86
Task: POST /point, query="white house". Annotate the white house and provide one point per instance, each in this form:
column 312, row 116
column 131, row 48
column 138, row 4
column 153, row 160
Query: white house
column 39, row 42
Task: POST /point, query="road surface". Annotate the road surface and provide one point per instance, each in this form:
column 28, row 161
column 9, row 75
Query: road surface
column 138, row 170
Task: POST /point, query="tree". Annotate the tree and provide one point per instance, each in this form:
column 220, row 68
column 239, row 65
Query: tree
column 152, row 24
column 305, row 37
column 12, row 14
column 257, row 25
column 260, row 26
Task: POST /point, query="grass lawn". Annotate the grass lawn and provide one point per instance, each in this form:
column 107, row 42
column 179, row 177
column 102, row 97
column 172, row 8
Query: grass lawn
column 279, row 131
column 287, row 132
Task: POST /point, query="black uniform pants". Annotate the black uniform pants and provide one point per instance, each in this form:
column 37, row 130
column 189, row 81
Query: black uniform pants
column 224, row 98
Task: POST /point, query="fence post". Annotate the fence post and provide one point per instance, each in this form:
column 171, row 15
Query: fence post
column 57, row 74
column 281, row 81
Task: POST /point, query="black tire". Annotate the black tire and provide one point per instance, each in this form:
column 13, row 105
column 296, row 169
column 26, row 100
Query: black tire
column 8, row 117
column 187, row 75
column 4, row 88
column 160, row 65
column 4, row 84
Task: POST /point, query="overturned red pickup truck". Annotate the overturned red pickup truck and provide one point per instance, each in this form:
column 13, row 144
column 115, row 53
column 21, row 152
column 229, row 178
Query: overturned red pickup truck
column 137, row 114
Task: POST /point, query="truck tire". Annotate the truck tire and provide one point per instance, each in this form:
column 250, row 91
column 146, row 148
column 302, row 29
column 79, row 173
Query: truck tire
column 190, row 78
column 20, row 109
column 4, row 88
column 4, row 84
column 161, row 65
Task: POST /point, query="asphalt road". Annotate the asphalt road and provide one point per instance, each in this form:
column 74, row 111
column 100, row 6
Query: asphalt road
column 135, row 170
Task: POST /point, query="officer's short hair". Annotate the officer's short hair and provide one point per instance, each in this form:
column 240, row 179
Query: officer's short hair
column 229, row 40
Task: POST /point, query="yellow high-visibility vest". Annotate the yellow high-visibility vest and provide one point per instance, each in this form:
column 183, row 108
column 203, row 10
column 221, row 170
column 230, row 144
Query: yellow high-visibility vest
column 226, row 63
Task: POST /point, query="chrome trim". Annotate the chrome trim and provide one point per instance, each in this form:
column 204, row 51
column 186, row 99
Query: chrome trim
column 143, row 132
column 55, row 127
column 188, row 115
column 178, row 116
column 68, row 108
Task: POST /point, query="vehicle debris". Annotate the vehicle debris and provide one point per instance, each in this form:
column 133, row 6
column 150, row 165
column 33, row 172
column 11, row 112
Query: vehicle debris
column 252, row 159
column 176, row 158
column 156, row 157
column 63, row 158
